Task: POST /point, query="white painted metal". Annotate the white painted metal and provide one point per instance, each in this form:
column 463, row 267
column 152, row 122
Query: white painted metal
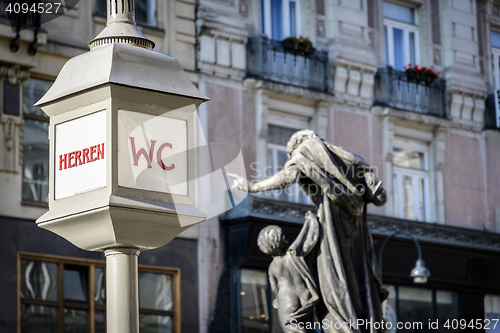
column 122, row 285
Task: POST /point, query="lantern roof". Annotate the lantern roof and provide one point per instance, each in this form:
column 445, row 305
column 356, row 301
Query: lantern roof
column 122, row 64
column 121, row 54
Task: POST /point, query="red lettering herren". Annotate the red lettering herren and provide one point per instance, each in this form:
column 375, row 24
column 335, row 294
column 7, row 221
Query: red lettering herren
column 83, row 156
column 63, row 159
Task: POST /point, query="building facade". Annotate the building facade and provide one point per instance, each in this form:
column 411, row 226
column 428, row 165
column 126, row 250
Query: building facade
column 411, row 86
column 432, row 138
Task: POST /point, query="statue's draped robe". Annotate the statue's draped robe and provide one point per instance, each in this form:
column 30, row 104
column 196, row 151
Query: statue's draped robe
column 302, row 246
column 348, row 273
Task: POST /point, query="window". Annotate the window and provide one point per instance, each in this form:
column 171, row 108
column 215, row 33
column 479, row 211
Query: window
column 156, row 302
column 257, row 313
column 35, row 143
column 145, row 11
column 411, row 180
column 11, row 103
column 495, row 57
column 67, row 295
column 430, row 310
column 280, row 18
column 401, row 35
column 277, row 139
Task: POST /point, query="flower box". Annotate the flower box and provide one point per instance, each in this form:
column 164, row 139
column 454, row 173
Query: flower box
column 418, row 74
column 299, row 45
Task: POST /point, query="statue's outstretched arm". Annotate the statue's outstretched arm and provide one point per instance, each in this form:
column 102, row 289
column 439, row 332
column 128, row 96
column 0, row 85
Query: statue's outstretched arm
column 279, row 180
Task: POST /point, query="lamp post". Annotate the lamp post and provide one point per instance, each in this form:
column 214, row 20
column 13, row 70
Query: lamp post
column 122, row 163
column 419, row 273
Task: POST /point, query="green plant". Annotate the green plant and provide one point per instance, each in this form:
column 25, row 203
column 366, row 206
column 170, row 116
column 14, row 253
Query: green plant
column 298, row 41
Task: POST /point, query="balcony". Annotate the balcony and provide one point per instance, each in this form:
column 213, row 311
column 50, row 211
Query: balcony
column 269, row 60
column 394, row 89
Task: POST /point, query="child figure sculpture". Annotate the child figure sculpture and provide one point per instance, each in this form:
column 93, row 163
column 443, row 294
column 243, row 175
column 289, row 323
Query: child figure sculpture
column 290, row 277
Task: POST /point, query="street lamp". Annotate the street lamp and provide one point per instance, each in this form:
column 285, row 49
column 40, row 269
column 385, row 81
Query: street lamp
column 419, row 273
column 122, row 158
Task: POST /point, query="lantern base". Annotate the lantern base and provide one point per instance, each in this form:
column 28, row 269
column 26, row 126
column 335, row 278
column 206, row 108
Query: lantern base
column 122, row 222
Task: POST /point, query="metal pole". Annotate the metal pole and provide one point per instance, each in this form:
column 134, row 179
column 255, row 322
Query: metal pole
column 122, row 296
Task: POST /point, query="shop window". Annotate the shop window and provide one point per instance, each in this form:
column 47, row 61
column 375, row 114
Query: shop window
column 280, row 18
column 411, row 180
column 35, row 143
column 401, row 35
column 156, row 302
column 257, row 313
column 145, row 11
column 410, row 309
column 277, row 139
column 68, row 295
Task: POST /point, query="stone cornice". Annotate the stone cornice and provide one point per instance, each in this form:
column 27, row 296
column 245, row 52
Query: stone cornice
column 436, row 233
column 263, row 208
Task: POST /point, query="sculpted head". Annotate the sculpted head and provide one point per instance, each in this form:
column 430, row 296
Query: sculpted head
column 271, row 240
column 297, row 138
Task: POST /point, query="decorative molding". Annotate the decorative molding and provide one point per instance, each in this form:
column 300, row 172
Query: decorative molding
column 353, row 83
column 284, row 89
column 13, row 74
column 437, row 56
column 278, row 209
column 321, row 28
column 222, row 53
column 244, row 4
column 436, row 233
column 11, row 133
column 467, row 109
column 383, row 226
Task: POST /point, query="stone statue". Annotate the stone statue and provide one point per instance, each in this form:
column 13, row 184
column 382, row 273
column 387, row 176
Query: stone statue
column 340, row 184
column 289, row 274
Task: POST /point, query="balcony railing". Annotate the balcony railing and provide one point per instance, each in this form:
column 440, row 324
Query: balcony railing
column 269, row 60
column 394, row 89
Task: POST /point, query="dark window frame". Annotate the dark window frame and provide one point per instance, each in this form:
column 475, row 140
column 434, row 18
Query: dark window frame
column 33, row 117
column 91, row 305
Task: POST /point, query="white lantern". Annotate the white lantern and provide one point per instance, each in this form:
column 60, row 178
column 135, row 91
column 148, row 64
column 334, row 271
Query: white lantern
column 121, row 143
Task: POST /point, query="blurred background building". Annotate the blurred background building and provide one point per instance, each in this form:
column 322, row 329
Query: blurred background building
column 412, row 86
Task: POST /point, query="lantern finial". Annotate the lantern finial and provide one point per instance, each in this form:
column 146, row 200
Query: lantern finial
column 120, row 27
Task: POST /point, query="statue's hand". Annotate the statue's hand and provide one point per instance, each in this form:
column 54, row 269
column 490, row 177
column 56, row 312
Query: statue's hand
column 240, row 183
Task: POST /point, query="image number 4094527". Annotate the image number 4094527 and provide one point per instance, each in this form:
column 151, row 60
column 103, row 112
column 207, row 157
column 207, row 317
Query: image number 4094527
column 27, row 14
